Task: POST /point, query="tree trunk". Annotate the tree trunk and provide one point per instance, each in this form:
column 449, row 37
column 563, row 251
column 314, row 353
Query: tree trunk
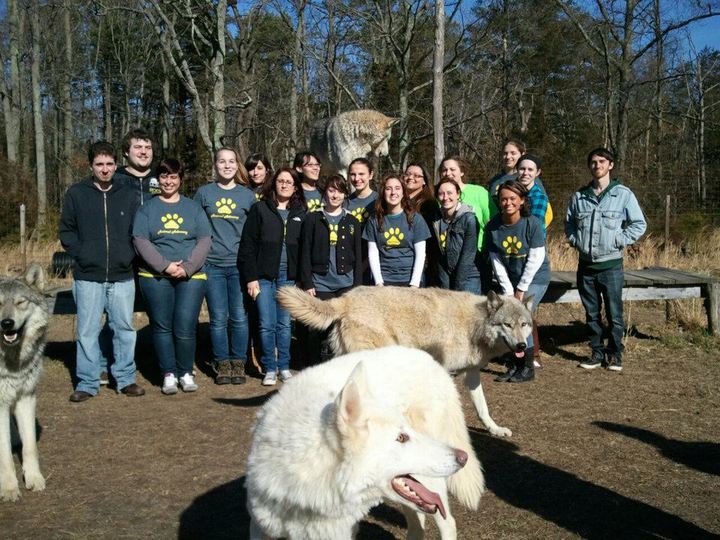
column 438, row 79
column 296, row 76
column 165, row 137
column 66, row 100
column 702, row 186
column 40, row 174
column 11, row 96
column 217, row 67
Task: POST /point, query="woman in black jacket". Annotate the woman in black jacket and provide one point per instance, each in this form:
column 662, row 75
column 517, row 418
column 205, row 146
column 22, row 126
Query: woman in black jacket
column 330, row 253
column 268, row 259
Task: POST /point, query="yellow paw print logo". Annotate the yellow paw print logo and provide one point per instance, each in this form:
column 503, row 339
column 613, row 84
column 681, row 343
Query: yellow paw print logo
column 172, row 221
column 314, row 205
column 225, row 206
column 258, row 196
column 333, row 234
column 393, row 236
column 512, row 245
column 361, row 214
column 443, row 240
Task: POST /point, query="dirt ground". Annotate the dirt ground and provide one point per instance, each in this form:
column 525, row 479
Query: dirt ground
column 593, row 454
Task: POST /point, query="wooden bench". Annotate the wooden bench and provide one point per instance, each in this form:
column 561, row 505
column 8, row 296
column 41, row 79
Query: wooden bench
column 646, row 284
column 649, row 284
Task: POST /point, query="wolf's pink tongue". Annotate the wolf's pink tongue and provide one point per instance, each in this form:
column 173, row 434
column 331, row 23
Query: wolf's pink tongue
column 520, row 354
column 428, row 497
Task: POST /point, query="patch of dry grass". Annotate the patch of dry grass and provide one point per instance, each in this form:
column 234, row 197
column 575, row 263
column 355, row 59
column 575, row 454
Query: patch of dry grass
column 697, row 254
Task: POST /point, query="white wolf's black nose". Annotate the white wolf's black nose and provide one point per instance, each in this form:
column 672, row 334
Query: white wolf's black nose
column 7, row 324
column 521, row 346
column 460, row 456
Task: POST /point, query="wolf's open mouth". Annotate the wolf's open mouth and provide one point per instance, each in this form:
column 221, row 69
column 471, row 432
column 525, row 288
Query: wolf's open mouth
column 412, row 490
column 514, row 350
column 10, row 337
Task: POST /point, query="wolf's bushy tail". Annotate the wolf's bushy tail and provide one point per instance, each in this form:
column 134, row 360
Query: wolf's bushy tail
column 315, row 313
column 468, row 484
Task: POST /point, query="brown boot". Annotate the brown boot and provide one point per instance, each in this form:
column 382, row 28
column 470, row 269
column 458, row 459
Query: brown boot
column 223, row 370
column 238, row 372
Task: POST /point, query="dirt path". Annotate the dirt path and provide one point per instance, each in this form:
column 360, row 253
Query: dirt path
column 594, row 454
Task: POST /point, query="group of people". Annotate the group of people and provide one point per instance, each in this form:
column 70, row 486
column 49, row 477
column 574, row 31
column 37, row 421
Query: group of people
column 254, row 229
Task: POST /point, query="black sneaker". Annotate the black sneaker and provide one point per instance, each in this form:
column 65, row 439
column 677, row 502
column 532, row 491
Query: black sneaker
column 615, row 363
column 525, row 374
column 104, row 380
column 595, row 361
column 223, row 370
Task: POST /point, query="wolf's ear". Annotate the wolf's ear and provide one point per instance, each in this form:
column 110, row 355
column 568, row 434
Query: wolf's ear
column 35, row 277
column 494, row 301
column 350, row 410
column 528, row 302
column 392, row 121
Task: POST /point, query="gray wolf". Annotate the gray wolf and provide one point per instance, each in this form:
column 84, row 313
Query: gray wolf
column 342, row 436
column 349, row 135
column 460, row 330
column 23, row 322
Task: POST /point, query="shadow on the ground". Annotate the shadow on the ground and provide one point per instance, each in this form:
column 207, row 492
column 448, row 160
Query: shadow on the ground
column 222, row 513
column 578, row 506
column 703, row 456
column 250, row 402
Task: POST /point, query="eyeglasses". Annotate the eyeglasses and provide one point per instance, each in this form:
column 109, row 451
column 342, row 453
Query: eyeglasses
column 311, row 166
column 284, row 182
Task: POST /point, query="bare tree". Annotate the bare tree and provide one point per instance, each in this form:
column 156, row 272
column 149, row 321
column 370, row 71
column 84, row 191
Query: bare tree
column 438, row 79
column 699, row 88
column 206, row 37
column 11, row 89
column 622, row 39
column 66, row 104
column 40, row 174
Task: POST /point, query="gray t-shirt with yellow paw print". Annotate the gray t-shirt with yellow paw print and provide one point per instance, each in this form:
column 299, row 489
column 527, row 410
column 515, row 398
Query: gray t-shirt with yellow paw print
column 227, row 211
column 396, row 244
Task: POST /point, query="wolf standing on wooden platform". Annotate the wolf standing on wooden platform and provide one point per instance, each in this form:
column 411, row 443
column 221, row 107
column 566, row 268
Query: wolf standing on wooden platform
column 24, row 320
column 349, row 135
column 460, row 330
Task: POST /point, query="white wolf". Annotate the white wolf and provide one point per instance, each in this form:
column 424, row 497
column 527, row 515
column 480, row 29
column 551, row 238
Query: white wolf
column 349, row 135
column 23, row 321
column 341, row 436
column 460, row 330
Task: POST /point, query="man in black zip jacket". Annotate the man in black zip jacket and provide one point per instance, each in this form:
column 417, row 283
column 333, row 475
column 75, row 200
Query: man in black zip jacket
column 137, row 149
column 96, row 231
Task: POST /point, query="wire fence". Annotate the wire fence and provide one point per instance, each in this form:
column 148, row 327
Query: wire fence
column 676, row 206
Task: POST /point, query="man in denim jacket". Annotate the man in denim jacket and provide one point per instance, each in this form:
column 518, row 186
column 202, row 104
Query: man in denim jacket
column 603, row 218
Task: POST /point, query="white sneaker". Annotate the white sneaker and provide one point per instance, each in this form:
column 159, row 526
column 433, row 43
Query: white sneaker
column 285, row 374
column 270, row 379
column 187, row 383
column 170, row 384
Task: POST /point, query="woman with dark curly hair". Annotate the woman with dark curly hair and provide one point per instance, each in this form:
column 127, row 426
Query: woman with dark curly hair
column 268, row 259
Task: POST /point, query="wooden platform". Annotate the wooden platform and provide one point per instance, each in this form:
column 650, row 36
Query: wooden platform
column 649, row 284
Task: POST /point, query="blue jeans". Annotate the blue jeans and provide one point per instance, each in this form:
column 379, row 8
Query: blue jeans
column 173, row 306
column 606, row 287
column 227, row 311
column 275, row 329
column 117, row 300
column 471, row 285
column 537, row 291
